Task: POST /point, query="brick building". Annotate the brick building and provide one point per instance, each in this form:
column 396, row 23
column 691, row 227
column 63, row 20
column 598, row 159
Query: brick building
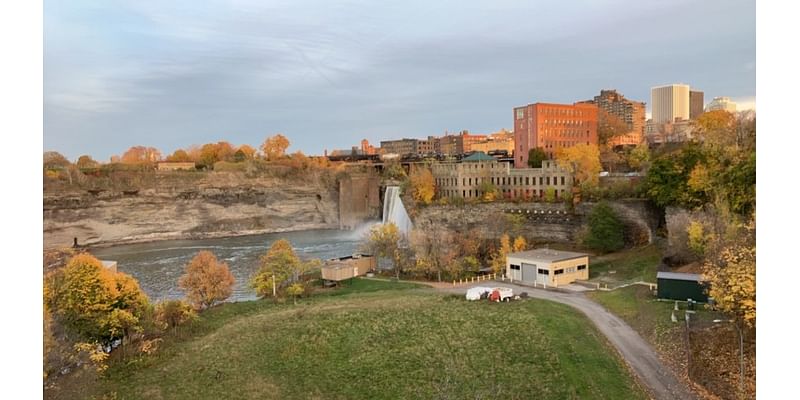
column 695, row 104
column 551, row 127
column 465, row 179
column 630, row 112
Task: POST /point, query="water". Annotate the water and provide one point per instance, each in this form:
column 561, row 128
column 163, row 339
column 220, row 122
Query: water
column 394, row 211
column 158, row 265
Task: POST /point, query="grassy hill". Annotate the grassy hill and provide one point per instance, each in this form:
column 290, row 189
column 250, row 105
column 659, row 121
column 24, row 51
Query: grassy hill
column 365, row 342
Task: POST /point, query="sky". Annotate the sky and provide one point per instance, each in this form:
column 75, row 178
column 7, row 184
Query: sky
column 170, row 74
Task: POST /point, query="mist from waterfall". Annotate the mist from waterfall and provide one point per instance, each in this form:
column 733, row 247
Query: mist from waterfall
column 394, row 211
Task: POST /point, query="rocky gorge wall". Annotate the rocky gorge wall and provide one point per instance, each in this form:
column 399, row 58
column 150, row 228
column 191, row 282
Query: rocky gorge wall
column 540, row 222
column 182, row 205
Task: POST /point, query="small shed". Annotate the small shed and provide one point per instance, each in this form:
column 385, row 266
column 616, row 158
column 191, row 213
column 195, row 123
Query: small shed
column 112, row 265
column 681, row 286
column 339, row 269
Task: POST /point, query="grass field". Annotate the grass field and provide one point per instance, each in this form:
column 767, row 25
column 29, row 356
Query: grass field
column 638, row 263
column 379, row 341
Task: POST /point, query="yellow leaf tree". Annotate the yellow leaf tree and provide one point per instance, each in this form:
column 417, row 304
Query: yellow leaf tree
column 280, row 265
column 274, row 147
column 384, row 241
column 582, row 160
column 732, row 282
column 520, row 244
column 423, row 186
column 206, row 281
column 498, row 260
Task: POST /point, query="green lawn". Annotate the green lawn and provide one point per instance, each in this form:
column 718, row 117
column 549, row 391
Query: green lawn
column 380, row 344
column 640, row 262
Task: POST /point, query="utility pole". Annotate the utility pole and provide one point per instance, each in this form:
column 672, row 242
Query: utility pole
column 274, row 289
column 688, row 349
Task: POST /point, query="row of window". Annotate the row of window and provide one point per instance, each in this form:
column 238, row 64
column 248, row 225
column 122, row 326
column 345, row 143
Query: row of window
column 503, row 181
column 507, row 193
column 543, row 271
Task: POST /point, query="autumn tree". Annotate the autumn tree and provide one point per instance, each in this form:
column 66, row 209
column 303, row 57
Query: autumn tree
column 520, row 244
column 211, row 153
column 295, row 290
column 141, row 154
column 423, row 186
column 384, row 241
column 498, row 260
column 609, row 126
column 279, row 265
column 606, row 231
column 206, row 281
column 248, row 151
column 489, row 191
column 274, row 147
column 173, row 313
column 93, row 301
column 179, row 155
column 639, row 157
column 535, row 157
column 582, row 160
column 435, row 250
column 86, row 161
column 54, row 159
column 716, row 128
column 732, row 282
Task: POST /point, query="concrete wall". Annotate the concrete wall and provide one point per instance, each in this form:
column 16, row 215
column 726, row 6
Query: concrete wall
column 359, row 199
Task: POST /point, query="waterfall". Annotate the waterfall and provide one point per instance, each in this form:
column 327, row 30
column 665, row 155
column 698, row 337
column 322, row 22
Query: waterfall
column 394, row 211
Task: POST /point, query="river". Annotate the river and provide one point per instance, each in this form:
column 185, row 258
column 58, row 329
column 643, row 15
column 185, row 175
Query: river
column 158, row 265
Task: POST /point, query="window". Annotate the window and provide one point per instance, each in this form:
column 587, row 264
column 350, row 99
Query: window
column 562, row 181
column 520, row 113
column 515, row 267
column 548, row 180
column 558, row 272
column 570, row 270
column 541, row 181
column 581, row 267
column 543, row 272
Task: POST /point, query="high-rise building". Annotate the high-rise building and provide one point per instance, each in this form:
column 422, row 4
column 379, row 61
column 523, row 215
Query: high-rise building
column 551, row 127
column 670, row 103
column 721, row 103
column 695, row 104
column 630, row 112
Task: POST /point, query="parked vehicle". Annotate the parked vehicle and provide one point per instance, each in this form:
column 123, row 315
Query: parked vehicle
column 501, row 294
column 478, row 292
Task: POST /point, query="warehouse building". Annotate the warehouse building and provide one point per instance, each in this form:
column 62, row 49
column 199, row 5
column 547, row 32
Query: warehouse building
column 680, row 286
column 339, row 269
column 547, row 267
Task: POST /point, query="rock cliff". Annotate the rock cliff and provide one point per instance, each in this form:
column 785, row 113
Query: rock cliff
column 175, row 206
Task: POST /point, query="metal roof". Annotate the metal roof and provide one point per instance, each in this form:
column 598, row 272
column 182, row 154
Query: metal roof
column 547, row 255
column 478, row 156
column 679, row 276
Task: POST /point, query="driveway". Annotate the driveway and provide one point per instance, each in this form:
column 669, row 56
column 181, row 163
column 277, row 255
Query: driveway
column 637, row 353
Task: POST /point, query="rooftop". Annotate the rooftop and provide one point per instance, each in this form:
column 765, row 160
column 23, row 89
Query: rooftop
column 547, row 255
column 478, row 156
column 679, row 276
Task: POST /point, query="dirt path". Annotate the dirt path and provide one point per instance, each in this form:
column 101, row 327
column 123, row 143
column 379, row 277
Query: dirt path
column 642, row 359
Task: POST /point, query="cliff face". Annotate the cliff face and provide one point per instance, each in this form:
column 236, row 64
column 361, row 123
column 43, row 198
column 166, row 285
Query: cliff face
column 178, row 206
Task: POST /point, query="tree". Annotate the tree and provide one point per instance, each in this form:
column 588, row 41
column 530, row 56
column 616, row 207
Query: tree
column 639, row 157
column 93, row 301
column 489, row 191
column 173, row 313
column 667, row 180
column 248, row 151
column 732, row 281
column 279, row 265
column 435, row 250
column 535, row 157
column 179, row 155
column 605, row 229
column 274, row 147
column 54, row 159
column 384, row 241
column 520, row 244
column 295, row 290
column 85, row 161
column 582, row 160
column 697, row 238
column 212, row 153
column 609, row 126
column 206, row 281
column 141, row 154
column 716, row 128
column 423, row 186
column 550, row 195
column 498, row 260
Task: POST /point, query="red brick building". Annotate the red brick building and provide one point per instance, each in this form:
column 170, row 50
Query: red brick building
column 552, row 126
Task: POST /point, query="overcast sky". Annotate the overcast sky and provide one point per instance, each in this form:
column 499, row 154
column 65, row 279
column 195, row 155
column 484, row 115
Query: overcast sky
column 173, row 73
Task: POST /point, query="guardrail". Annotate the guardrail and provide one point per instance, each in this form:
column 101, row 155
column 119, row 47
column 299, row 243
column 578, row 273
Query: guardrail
column 479, row 278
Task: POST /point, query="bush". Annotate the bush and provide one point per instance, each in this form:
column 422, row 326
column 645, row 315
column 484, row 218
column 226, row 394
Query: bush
column 606, row 231
column 173, row 313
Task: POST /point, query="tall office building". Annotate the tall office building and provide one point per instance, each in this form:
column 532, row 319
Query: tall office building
column 695, row 104
column 630, row 112
column 670, row 103
column 552, row 126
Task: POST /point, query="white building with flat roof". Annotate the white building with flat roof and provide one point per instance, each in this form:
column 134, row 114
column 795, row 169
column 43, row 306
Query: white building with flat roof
column 547, row 267
column 670, row 102
column 721, row 103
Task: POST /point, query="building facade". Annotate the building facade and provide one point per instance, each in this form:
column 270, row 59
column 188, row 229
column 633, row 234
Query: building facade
column 551, row 127
column 721, row 103
column 670, row 103
column 401, row 146
column 469, row 179
column 547, row 267
column 630, row 112
column 695, row 104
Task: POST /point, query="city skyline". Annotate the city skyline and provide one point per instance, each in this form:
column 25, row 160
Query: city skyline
column 120, row 74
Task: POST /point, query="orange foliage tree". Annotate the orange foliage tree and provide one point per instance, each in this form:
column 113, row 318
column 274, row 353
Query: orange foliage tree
column 206, row 281
column 179, row 155
column 423, row 185
column 582, row 160
column 274, row 147
column 141, row 154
